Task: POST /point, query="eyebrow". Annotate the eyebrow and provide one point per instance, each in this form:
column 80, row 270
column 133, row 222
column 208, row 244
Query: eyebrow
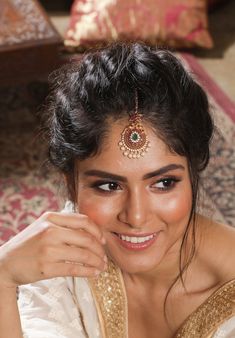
column 158, row 172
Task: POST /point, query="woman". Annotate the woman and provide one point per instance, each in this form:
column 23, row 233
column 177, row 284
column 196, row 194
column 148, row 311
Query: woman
column 129, row 256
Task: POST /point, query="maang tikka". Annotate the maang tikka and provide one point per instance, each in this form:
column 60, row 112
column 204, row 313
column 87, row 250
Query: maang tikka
column 134, row 142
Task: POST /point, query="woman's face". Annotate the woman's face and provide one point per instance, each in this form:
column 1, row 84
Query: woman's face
column 142, row 205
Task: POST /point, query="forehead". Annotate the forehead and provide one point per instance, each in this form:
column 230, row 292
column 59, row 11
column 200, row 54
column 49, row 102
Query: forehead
column 110, row 156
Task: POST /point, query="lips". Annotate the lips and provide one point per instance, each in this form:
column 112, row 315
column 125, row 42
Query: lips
column 137, row 242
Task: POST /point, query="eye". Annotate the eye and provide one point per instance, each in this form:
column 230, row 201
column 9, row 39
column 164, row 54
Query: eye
column 107, row 186
column 166, row 183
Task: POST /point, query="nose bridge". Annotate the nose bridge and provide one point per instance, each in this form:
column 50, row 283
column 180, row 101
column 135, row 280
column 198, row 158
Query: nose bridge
column 136, row 207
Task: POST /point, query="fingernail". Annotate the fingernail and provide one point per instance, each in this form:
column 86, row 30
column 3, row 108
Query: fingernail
column 105, row 259
column 97, row 272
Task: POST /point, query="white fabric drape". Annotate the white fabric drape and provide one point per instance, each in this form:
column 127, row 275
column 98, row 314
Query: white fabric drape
column 226, row 330
column 48, row 309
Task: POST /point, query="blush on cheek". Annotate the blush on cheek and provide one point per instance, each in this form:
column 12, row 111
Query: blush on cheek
column 99, row 213
column 176, row 209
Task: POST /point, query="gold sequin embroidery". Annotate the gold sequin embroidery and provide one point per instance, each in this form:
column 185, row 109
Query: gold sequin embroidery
column 109, row 293
column 219, row 307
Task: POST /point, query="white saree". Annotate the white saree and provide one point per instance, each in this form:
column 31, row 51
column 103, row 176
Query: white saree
column 97, row 308
column 52, row 309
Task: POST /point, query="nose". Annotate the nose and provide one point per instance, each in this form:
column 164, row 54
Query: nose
column 134, row 209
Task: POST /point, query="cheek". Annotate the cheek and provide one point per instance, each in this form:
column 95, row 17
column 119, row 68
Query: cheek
column 101, row 212
column 177, row 208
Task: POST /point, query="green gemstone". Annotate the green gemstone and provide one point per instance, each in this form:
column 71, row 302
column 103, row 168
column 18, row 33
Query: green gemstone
column 135, row 137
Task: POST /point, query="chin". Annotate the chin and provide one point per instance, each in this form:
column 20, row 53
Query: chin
column 135, row 263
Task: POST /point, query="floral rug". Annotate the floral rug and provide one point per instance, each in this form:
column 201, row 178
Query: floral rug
column 28, row 186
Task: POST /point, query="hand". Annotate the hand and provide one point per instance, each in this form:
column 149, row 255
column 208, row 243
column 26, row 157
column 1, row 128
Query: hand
column 55, row 245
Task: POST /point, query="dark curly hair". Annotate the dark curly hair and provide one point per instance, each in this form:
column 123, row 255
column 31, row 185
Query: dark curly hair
column 101, row 87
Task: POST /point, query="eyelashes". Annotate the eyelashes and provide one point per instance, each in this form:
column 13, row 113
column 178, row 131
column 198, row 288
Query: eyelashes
column 106, row 186
column 166, row 183
column 162, row 185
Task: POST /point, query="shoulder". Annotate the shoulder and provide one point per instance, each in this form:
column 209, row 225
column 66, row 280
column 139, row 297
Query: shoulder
column 219, row 246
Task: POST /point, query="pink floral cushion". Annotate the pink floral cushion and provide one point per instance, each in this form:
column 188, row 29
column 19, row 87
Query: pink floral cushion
column 177, row 23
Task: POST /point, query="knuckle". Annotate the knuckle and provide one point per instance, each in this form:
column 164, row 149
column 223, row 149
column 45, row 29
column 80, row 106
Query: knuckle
column 46, row 215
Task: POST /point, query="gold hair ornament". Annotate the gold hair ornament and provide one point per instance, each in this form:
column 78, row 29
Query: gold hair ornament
column 134, row 141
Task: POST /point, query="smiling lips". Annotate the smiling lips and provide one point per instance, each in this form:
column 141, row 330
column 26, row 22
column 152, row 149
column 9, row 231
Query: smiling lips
column 136, row 242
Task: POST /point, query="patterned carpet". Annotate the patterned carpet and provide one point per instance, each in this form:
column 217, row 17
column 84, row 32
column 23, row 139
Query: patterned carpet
column 218, row 184
column 28, row 186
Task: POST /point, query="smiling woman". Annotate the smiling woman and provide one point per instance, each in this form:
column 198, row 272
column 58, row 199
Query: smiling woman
column 142, row 205
column 129, row 256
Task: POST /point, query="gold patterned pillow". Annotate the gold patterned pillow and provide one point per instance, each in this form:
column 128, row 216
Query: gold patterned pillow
column 177, row 23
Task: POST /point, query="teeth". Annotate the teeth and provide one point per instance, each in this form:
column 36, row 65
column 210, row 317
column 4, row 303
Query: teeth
column 136, row 239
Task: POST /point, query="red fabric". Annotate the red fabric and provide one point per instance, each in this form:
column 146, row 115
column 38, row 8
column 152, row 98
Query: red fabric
column 178, row 23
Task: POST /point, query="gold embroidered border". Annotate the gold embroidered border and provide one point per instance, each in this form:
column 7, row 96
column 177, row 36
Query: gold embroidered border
column 109, row 294
column 219, row 307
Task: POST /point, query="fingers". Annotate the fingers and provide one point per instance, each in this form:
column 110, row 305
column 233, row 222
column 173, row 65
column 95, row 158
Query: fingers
column 57, row 236
column 82, row 239
column 76, row 255
column 56, row 244
column 75, row 221
column 53, row 270
column 71, row 242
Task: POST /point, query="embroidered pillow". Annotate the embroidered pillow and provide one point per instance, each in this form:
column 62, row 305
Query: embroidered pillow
column 177, row 23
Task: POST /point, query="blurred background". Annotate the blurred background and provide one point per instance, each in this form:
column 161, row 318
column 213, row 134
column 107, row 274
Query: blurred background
column 37, row 37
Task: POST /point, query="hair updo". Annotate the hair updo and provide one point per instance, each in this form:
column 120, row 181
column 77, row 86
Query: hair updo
column 86, row 94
